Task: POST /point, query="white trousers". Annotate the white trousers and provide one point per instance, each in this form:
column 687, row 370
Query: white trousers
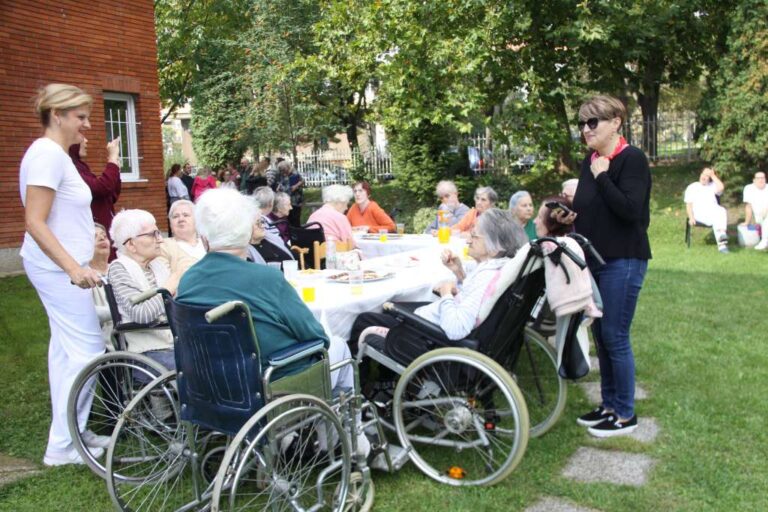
column 715, row 216
column 75, row 342
column 762, row 219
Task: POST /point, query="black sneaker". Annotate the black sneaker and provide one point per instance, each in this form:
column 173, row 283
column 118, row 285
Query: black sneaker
column 594, row 417
column 613, row 427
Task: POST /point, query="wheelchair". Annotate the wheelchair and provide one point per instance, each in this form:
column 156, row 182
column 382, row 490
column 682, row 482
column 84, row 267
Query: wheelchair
column 109, row 382
column 239, row 436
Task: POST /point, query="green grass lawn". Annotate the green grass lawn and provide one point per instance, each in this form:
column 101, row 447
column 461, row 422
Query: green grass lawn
column 700, row 343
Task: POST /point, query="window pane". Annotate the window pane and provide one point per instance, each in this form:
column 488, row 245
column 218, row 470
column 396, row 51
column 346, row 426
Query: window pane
column 115, row 121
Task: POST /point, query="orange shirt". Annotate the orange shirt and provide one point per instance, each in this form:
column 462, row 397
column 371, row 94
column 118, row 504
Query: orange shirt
column 374, row 217
column 467, row 222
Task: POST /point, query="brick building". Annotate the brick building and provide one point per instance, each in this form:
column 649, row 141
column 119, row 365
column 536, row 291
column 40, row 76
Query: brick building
column 108, row 48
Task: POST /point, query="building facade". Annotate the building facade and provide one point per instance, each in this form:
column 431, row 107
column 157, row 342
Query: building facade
column 109, row 50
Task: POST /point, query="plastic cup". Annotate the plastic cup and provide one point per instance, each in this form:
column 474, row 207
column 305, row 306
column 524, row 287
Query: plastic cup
column 308, row 293
column 465, row 252
column 356, row 282
column 444, row 234
column 290, row 269
column 274, row 264
column 400, row 228
column 382, row 235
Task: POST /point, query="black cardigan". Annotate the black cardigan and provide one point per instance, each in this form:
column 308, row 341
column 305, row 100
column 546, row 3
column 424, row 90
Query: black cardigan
column 613, row 210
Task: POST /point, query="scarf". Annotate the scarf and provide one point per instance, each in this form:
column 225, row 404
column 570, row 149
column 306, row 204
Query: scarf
column 621, row 146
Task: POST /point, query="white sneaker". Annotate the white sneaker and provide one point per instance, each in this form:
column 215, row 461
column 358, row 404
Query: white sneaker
column 69, row 457
column 762, row 245
column 93, row 440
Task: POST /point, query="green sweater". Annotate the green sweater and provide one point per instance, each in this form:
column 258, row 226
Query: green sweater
column 280, row 318
column 530, row 230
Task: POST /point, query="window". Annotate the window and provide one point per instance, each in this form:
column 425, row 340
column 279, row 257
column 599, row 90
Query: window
column 120, row 121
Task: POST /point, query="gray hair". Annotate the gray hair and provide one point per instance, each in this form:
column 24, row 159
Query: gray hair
column 225, row 218
column 337, row 194
column 180, row 202
column 516, row 198
column 281, row 198
column 285, row 165
column 492, row 195
column 502, row 235
column 264, row 197
column 126, row 225
column 446, row 187
column 573, row 182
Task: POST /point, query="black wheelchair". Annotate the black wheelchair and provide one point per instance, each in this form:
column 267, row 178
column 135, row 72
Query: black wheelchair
column 109, row 382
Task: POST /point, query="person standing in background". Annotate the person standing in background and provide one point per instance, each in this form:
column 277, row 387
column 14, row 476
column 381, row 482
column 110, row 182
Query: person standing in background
column 58, row 245
column 187, row 179
column 105, row 189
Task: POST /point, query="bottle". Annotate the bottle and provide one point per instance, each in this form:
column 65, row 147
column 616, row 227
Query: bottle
column 330, row 254
column 443, row 229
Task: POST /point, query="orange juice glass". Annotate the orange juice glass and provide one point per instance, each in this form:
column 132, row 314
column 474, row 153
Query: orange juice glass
column 308, row 294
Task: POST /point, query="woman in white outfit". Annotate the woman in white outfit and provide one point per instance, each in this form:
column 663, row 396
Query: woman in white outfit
column 701, row 205
column 58, row 244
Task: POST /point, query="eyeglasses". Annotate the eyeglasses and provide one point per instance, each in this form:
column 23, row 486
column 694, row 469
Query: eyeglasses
column 156, row 233
column 592, row 122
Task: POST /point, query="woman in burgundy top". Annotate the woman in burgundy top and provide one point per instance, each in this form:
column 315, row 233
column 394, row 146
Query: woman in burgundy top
column 104, row 188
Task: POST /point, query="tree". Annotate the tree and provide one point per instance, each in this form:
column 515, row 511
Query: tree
column 737, row 140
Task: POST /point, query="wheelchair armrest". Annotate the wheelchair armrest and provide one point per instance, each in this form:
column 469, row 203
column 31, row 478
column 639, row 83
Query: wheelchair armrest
column 296, row 352
column 133, row 326
column 415, row 320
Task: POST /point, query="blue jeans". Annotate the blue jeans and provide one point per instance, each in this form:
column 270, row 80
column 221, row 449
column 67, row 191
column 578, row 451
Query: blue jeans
column 619, row 281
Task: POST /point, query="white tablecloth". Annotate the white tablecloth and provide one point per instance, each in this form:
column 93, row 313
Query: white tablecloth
column 336, row 308
column 375, row 248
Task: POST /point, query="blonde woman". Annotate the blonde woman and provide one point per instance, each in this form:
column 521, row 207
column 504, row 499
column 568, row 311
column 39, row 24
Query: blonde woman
column 58, row 244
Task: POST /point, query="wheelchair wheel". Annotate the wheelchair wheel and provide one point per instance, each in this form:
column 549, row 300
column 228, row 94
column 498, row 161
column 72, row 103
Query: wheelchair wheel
column 535, row 373
column 359, row 496
column 461, row 416
column 149, row 455
column 110, row 381
column 292, row 455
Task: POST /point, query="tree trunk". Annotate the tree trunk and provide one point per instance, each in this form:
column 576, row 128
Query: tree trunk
column 352, row 134
column 565, row 162
column 648, row 99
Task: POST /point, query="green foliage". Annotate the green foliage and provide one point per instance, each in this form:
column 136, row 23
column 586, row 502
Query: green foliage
column 737, row 141
column 422, row 218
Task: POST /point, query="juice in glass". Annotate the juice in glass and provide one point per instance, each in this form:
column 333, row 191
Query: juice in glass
column 382, row 235
column 444, row 234
column 308, row 293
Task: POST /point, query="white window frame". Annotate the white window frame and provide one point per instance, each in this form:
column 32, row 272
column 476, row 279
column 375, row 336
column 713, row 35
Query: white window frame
column 130, row 123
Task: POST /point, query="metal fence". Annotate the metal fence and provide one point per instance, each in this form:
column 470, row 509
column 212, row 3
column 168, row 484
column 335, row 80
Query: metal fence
column 670, row 137
column 320, row 168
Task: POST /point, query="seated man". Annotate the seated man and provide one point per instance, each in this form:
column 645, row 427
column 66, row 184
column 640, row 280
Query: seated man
column 494, row 240
column 225, row 221
column 756, row 206
column 701, row 204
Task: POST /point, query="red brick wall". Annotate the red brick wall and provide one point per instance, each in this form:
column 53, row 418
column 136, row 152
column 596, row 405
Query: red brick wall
column 105, row 46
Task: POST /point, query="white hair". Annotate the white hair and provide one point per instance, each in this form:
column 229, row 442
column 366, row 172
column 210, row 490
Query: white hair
column 127, row 224
column 446, row 187
column 516, row 198
column 264, row 197
column 502, row 235
column 180, row 202
column 225, row 218
column 337, row 194
column 488, row 191
column 281, row 199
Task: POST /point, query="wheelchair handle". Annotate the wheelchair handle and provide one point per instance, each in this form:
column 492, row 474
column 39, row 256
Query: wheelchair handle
column 141, row 297
column 388, row 306
column 586, row 244
column 219, row 311
column 564, row 248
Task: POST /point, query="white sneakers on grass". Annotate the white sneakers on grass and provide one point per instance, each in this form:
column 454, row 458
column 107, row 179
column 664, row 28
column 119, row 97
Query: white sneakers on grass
column 93, row 442
column 762, row 245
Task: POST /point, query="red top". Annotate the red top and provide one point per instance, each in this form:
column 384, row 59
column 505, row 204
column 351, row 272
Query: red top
column 374, row 217
column 200, row 185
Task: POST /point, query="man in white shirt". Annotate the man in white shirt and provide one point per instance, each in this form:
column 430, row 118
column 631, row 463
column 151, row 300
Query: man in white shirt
column 756, row 205
column 702, row 206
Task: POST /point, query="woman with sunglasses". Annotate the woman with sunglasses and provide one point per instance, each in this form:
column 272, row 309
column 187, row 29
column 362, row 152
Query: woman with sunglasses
column 138, row 268
column 612, row 210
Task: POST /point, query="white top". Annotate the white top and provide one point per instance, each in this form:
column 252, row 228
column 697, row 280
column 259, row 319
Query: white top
column 46, row 164
column 197, row 251
column 700, row 195
column 176, row 188
column 756, row 197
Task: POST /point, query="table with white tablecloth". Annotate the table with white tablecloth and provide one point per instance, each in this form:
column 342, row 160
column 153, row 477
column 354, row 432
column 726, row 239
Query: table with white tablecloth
column 372, row 247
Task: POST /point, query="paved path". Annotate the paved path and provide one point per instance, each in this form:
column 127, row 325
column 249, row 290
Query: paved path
column 12, row 469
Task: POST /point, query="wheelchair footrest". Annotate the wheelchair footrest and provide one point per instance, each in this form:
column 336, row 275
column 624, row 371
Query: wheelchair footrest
column 397, row 454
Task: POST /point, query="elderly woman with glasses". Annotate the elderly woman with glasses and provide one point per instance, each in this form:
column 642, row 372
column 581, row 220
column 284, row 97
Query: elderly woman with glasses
column 485, row 198
column 493, row 241
column 453, row 209
column 138, row 268
column 612, row 208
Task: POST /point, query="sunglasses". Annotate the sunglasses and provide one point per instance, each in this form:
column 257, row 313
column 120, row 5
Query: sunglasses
column 592, row 122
